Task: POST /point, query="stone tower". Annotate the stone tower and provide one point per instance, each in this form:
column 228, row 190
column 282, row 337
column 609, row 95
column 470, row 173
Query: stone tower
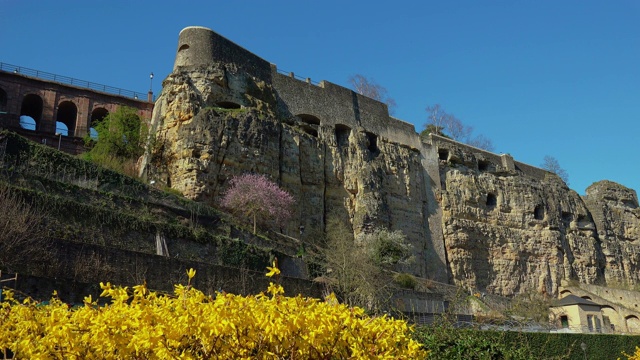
column 195, row 47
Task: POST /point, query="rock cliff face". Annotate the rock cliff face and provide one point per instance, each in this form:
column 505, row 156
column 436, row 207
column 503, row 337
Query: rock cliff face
column 617, row 217
column 509, row 228
column 507, row 233
column 474, row 218
column 343, row 173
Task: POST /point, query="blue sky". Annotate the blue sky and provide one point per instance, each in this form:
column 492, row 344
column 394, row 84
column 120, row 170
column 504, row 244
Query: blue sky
column 538, row 78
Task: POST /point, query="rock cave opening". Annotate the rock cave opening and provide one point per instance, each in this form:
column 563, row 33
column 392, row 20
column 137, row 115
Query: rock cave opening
column 484, row 165
column 372, row 143
column 309, row 130
column 538, row 212
column 443, row 154
column 492, row 201
column 342, row 135
column 309, row 124
column 228, row 105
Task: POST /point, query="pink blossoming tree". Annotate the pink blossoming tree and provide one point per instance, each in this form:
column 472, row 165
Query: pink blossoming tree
column 255, row 196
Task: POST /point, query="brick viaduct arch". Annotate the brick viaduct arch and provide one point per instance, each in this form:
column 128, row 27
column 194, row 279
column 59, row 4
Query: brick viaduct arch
column 56, row 113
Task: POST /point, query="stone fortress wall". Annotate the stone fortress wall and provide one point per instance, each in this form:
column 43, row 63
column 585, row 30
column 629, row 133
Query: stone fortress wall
column 325, row 109
column 483, row 160
column 325, row 104
column 335, row 105
column 475, row 218
column 199, row 46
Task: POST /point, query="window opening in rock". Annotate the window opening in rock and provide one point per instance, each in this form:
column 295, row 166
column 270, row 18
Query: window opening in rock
column 342, row 135
column 583, row 221
column 309, row 130
column 32, row 108
column 538, row 212
column 67, row 114
column 228, row 105
column 309, row 124
column 309, row 119
column 483, row 165
column 372, row 143
column 492, row 200
column 443, row 154
column 183, row 47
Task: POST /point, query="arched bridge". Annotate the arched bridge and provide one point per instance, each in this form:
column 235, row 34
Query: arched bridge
column 57, row 110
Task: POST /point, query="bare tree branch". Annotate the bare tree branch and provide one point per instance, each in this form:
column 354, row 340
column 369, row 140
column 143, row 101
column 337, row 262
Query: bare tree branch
column 457, row 129
column 444, row 124
column 481, row 142
column 437, row 118
column 368, row 87
column 551, row 164
column 21, row 238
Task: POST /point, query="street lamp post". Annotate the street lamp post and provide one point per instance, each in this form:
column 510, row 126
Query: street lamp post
column 59, row 135
column 150, row 95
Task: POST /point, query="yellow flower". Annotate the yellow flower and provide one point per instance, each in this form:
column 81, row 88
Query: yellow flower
column 191, row 273
column 273, row 270
column 188, row 324
column 274, row 289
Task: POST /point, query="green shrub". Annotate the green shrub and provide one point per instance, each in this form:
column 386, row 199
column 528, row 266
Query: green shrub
column 444, row 341
column 387, row 248
column 405, row 280
column 121, row 138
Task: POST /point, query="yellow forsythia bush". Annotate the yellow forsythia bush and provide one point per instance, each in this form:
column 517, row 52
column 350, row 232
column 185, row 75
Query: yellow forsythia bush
column 140, row 324
column 634, row 356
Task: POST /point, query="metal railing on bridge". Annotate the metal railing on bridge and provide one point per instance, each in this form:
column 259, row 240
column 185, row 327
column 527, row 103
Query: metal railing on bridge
column 71, row 81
